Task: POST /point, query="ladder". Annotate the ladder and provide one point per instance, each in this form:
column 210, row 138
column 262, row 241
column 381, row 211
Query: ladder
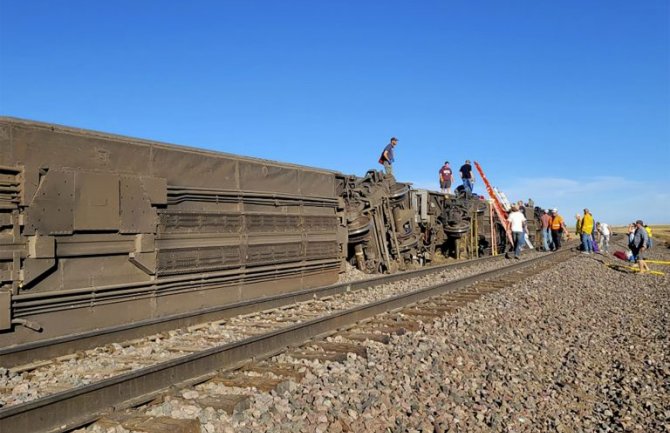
column 497, row 205
column 503, row 199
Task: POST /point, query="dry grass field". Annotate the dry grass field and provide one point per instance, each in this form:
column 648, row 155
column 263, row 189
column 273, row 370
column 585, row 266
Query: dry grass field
column 660, row 234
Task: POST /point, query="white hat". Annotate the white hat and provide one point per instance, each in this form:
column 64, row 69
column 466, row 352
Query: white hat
column 554, row 210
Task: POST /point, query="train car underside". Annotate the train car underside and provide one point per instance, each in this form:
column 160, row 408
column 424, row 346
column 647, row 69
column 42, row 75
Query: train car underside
column 99, row 230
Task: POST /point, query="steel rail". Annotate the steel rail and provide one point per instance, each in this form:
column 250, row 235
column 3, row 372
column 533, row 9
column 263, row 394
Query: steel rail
column 58, row 346
column 71, row 409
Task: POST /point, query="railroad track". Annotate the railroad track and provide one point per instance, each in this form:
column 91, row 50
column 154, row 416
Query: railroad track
column 259, row 336
column 40, row 378
column 58, row 347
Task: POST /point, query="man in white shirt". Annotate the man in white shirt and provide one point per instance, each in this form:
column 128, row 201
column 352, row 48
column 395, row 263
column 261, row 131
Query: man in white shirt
column 604, row 241
column 517, row 221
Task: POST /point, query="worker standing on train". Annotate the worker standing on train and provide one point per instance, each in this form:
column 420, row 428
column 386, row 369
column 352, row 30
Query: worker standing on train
column 446, row 177
column 387, row 158
column 467, row 176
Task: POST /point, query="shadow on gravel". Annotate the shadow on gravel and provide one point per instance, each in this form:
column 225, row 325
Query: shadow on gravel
column 620, row 268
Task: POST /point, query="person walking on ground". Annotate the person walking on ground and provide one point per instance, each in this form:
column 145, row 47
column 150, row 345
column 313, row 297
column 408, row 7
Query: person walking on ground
column 517, row 223
column 651, row 241
column 388, row 158
column 521, row 206
column 446, row 177
column 631, row 236
column 594, row 234
column 557, row 229
column 578, row 232
column 603, row 237
column 467, row 177
column 545, row 220
column 639, row 245
column 585, row 230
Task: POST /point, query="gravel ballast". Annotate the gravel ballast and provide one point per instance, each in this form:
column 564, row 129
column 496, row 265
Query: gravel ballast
column 94, row 365
column 581, row 347
column 578, row 348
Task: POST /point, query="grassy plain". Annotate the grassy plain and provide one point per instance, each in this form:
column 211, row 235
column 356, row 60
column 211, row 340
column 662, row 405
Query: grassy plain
column 660, row 233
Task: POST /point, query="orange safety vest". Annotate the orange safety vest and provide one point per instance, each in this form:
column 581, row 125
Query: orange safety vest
column 557, row 222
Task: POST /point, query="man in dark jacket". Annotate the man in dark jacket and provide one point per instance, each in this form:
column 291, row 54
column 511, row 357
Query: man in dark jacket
column 639, row 243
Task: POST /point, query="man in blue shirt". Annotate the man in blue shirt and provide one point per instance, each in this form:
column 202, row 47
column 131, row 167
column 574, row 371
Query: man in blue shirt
column 387, row 157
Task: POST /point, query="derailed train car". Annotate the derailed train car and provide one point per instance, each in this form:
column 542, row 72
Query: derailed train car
column 392, row 226
column 99, row 231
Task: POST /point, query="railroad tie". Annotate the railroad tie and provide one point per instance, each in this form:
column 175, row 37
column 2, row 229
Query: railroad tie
column 359, row 350
column 427, row 314
column 490, row 285
column 229, row 403
column 241, row 380
column 442, row 308
column 29, row 367
column 456, row 304
column 319, row 356
column 388, row 330
column 69, row 357
column 464, row 296
column 150, row 424
column 408, row 325
column 162, row 424
column 362, row 336
column 281, row 370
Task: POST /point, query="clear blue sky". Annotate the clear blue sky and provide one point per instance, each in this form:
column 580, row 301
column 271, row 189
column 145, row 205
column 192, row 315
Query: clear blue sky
column 566, row 102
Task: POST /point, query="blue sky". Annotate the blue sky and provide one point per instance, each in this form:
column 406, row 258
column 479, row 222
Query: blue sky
column 565, row 102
